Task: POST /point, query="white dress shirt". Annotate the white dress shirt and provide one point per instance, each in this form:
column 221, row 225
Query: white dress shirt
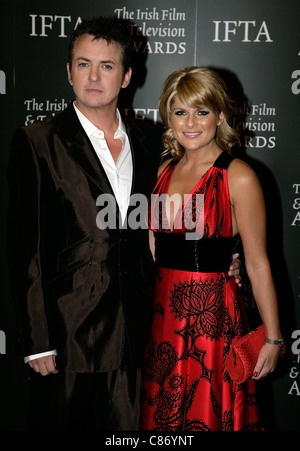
column 119, row 174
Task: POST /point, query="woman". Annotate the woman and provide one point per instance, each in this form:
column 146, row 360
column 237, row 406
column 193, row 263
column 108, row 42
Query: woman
column 197, row 308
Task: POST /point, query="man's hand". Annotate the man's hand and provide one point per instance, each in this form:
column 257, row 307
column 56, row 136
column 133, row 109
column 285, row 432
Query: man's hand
column 234, row 269
column 44, row 365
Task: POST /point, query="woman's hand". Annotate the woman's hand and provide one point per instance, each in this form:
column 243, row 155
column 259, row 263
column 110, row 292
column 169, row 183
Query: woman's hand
column 235, row 268
column 267, row 360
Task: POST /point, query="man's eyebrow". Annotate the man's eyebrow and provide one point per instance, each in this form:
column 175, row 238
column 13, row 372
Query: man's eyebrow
column 108, row 62
column 82, row 58
column 102, row 61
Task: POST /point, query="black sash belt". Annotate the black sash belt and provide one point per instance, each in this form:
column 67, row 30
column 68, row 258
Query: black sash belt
column 174, row 251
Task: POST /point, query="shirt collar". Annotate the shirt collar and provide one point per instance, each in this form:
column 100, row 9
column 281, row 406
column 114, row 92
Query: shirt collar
column 91, row 129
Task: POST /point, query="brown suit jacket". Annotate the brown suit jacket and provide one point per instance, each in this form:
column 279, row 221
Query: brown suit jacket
column 83, row 291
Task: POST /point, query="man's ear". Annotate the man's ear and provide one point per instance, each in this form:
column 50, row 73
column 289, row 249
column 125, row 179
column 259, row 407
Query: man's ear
column 127, row 78
column 69, row 74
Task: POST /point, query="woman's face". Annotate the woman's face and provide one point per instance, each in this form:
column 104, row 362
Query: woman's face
column 194, row 128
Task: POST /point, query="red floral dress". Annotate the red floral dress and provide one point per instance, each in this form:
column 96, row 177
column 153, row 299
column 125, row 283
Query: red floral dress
column 197, row 313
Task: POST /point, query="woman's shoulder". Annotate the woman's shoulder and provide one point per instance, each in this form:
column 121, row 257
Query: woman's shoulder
column 240, row 173
column 237, row 165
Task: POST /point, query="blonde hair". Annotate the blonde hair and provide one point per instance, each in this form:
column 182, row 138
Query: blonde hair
column 196, row 87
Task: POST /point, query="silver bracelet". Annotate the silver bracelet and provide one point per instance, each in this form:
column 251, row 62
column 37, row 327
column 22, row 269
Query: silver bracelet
column 279, row 342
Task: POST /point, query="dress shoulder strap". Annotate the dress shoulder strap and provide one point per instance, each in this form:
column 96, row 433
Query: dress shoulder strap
column 223, row 160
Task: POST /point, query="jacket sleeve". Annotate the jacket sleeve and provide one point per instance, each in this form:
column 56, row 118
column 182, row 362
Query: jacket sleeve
column 23, row 244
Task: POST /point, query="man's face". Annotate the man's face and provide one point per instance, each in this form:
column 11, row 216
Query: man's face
column 97, row 73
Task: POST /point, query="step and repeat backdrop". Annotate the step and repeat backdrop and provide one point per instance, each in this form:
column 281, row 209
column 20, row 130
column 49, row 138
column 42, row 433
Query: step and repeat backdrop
column 256, row 47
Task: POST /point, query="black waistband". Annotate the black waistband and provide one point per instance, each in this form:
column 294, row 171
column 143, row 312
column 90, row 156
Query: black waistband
column 174, row 251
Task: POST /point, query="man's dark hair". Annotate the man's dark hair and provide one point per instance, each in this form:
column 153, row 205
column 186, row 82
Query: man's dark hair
column 111, row 30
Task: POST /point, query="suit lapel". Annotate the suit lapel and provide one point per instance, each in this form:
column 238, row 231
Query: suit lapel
column 81, row 150
column 136, row 138
column 83, row 153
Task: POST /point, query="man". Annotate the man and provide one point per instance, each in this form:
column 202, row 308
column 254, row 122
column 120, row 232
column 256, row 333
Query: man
column 83, row 291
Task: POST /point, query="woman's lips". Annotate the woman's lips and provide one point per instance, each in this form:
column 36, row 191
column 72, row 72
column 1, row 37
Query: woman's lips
column 191, row 135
